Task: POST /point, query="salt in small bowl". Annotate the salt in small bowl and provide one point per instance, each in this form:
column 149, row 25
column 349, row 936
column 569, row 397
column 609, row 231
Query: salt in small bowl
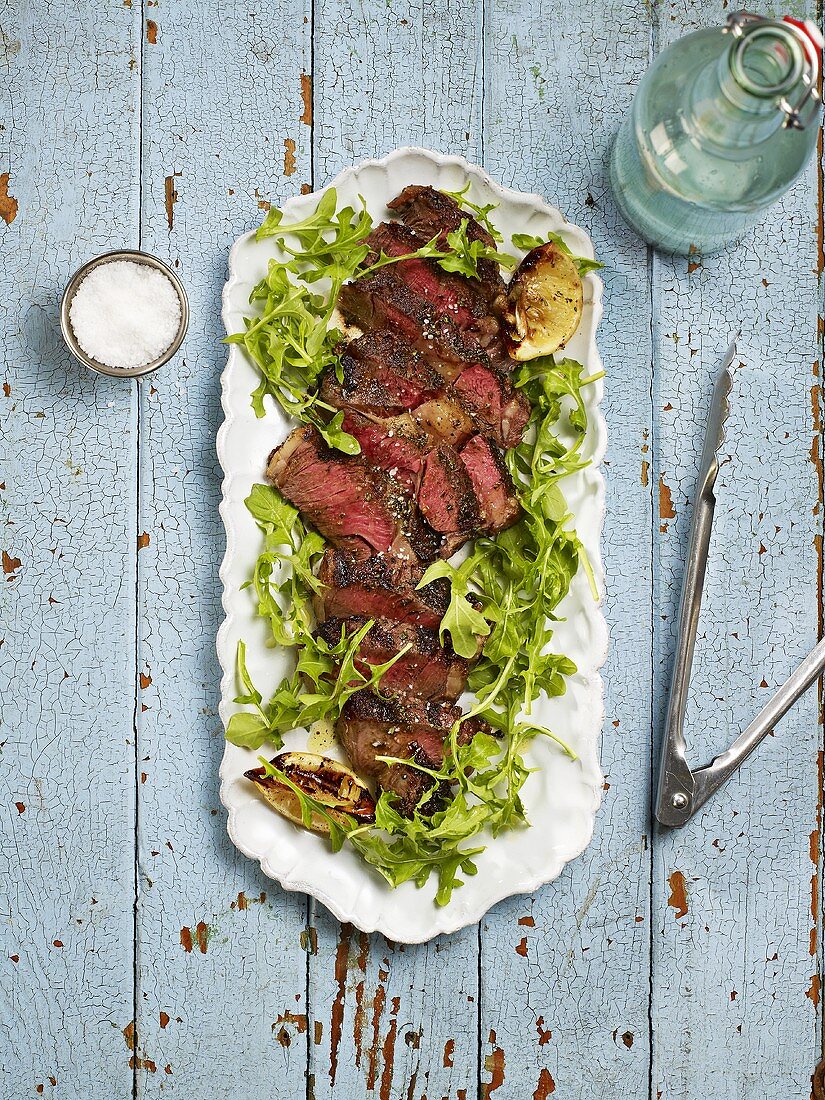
column 66, row 325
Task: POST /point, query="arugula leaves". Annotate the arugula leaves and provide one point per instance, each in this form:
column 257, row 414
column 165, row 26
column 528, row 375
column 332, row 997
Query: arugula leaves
column 292, row 341
column 284, row 581
column 480, row 213
column 462, row 619
column 323, row 680
column 525, row 241
column 462, row 255
column 465, row 253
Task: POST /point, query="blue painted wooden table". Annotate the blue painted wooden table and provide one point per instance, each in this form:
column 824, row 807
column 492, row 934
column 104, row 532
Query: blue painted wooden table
column 140, row 953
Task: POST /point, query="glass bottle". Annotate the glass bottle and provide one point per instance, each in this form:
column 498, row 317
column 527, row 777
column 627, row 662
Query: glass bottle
column 722, row 124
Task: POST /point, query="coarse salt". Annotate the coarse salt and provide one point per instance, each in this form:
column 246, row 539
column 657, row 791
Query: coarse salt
column 125, row 314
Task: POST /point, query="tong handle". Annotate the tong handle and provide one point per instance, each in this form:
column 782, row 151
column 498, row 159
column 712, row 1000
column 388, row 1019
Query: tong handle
column 675, row 800
column 676, row 782
column 683, row 791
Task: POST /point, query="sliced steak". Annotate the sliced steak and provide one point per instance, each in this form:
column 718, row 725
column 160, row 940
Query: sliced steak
column 431, row 213
column 396, row 444
column 378, row 587
column 371, row 726
column 355, row 505
column 381, row 374
column 445, row 496
column 340, row 496
column 427, row 669
column 465, row 301
column 411, row 729
column 399, row 444
column 493, row 487
column 488, row 394
column 385, row 350
column 384, row 301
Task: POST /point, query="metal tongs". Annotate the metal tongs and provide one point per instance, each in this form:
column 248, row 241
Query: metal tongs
column 682, row 789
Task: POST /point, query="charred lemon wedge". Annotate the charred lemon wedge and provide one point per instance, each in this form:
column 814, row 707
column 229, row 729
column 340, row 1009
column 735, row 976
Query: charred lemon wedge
column 340, row 792
column 544, row 303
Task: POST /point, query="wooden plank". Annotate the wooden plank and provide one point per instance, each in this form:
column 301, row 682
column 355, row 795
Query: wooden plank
column 393, row 1021
column 389, row 1020
column 68, row 162
column 735, row 974
column 423, row 66
column 222, row 966
column 564, row 997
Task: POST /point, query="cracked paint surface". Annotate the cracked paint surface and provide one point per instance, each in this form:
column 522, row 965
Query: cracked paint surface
column 111, row 602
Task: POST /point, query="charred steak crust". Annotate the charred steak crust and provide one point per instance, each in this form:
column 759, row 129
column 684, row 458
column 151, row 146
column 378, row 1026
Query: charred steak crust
column 384, row 376
column 400, row 444
column 427, row 669
column 493, row 487
column 384, row 301
column 446, row 496
column 378, row 587
column 381, row 374
column 431, row 213
column 371, row 726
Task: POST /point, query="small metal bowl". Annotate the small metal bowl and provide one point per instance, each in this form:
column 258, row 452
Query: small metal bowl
column 66, row 325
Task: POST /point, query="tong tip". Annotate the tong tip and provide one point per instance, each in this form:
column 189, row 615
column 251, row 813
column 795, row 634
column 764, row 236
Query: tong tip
column 720, row 406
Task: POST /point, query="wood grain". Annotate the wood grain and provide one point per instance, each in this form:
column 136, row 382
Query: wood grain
column 734, row 975
column 390, row 1021
column 68, row 150
column 566, row 974
column 222, row 966
column 680, row 965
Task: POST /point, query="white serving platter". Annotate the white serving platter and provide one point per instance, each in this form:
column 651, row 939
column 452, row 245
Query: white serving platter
column 562, row 795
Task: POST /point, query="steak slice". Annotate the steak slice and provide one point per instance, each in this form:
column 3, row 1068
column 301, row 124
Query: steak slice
column 353, row 504
column 464, row 300
column 382, row 374
column 400, row 444
column 493, row 487
column 378, row 587
column 410, row 729
column 428, row 669
column 431, row 213
column 384, row 301
column 396, row 444
column 445, row 496
column 486, row 391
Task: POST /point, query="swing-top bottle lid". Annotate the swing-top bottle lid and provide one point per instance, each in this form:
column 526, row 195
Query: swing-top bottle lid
column 804, row 110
